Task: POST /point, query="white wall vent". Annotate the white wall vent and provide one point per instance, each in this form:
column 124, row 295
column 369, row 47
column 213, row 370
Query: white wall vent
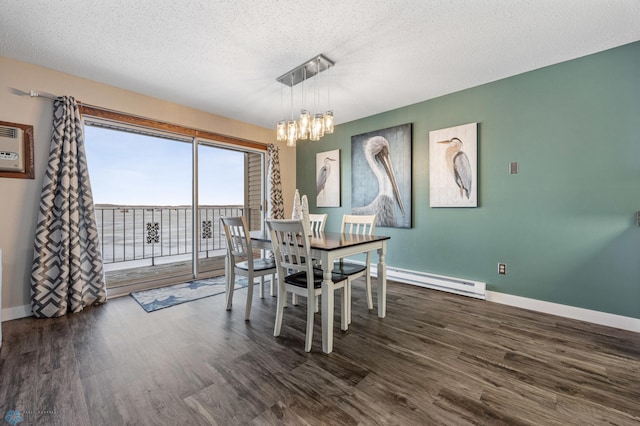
column 11, row 149
column 461, row 286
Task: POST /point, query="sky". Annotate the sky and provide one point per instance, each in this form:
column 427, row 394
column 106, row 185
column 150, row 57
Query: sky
column 132, row 169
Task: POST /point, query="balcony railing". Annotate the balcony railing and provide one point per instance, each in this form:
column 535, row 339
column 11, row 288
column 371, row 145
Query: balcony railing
column 133, row 233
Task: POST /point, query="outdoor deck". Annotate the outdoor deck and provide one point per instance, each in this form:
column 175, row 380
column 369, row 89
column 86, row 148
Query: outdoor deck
column 211, row 266
column 143, row 246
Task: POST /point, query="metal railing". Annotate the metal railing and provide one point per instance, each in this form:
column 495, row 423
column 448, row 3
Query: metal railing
column 129, row 233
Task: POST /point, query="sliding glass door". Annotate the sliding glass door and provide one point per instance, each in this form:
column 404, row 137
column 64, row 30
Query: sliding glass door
column 221, row 192
column 147, row 186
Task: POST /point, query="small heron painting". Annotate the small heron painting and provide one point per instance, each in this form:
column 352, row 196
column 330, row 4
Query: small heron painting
column 452, row 166
column 328, row 179
column 381, row 176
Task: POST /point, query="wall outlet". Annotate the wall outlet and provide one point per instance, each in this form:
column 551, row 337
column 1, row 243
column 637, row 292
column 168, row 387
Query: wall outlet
column 502, row 268
column 514, row 168
column 639, row 218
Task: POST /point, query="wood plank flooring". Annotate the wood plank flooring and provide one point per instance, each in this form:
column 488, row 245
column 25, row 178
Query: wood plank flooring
column 436, row 359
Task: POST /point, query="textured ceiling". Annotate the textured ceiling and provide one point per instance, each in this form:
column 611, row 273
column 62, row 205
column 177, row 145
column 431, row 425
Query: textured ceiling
column 224, row 56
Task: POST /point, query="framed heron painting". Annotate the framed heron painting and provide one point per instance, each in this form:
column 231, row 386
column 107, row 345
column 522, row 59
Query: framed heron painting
column 453, row 166
column 328, row 179
column 381, row 175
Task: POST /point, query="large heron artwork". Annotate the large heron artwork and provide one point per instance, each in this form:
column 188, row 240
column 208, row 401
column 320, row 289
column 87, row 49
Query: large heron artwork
column 460, row 166
column 378, row 156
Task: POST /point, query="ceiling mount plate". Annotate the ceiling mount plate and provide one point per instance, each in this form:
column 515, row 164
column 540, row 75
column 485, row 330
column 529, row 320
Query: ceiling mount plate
column 306, row 70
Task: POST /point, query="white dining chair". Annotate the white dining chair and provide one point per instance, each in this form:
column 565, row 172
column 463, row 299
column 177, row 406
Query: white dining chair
column 296, row 275
column 356, row 225
column 318, row 222
column 239, row 247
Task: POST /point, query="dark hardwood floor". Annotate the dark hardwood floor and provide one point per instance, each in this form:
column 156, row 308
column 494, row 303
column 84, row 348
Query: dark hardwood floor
column 435, row 359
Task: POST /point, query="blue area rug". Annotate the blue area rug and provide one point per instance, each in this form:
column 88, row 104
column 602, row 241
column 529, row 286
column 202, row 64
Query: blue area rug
column 164, row 297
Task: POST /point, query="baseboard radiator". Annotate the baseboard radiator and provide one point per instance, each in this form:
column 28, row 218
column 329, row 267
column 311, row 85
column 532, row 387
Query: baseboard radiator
column 461, row 286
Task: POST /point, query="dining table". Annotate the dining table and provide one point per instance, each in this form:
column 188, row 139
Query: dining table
column 329, row 247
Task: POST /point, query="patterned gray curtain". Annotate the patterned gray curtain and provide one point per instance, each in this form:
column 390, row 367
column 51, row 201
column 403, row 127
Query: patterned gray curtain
column 67, row 272
column 275, row 199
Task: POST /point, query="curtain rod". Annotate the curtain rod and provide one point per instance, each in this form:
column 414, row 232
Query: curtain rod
column 35, row 94
column 49, row 96
column 198, row 132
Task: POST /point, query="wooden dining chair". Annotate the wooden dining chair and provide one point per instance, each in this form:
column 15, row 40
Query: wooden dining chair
column 298, row 276
column 356, row 225
column 318, row 222
column 239, row 247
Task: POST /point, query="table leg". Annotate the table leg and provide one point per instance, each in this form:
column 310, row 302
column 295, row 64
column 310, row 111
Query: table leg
column 327, row 310
column 382, row 281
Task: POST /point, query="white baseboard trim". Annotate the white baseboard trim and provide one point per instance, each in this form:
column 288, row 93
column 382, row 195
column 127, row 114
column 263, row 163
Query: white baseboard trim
column 581, row 314
column 16, row 312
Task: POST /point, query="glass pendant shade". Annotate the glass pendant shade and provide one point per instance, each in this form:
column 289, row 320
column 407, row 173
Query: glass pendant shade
column 319, row 121
column 304, row 123
column 281, row 131
column 314, row 132
column 316, row 128
column 328, row 122
column 292, row 133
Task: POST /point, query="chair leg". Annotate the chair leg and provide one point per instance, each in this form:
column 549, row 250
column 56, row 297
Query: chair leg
column 309, row 334
column 282, row 301
column 262, row 287
column 272, row 285
column 294, row 301
column 344, row 308
column 347, row 297
column 231, row 281
column 369, row 296
column 249, row 297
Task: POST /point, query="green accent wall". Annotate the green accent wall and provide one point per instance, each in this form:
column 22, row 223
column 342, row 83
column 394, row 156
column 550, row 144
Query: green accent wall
column 565, row 225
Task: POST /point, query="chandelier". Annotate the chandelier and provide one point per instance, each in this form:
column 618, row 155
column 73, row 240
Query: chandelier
column 306, row 126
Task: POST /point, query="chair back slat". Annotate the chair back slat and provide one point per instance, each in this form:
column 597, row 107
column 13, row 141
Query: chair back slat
column 318, row 222
column 290, row 245
column 357, row 224
column 235, row 230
